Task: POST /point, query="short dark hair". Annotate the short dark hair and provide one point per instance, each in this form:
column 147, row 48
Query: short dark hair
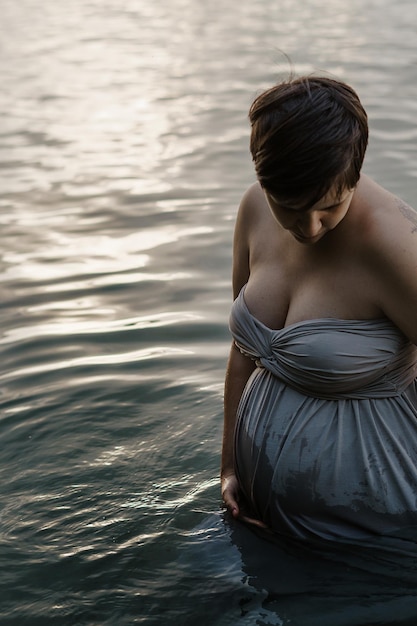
column 308, row 134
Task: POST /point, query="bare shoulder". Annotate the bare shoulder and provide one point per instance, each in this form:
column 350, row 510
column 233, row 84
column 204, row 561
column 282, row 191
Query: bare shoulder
column 389, row 224
column 245, row 219
column 389, row 239
column 252, row 214
column 253, row 203
column 254, row 228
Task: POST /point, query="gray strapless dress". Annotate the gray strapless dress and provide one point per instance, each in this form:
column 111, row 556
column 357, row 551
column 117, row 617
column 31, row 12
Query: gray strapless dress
column 326, row 436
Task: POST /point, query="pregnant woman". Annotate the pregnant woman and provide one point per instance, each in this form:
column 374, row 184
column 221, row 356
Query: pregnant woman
column 320, row 433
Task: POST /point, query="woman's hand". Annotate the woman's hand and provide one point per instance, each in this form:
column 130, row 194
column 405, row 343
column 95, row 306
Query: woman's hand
column 230, row 495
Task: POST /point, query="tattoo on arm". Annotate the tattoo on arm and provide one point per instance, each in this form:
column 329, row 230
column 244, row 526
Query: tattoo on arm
column 409, row 214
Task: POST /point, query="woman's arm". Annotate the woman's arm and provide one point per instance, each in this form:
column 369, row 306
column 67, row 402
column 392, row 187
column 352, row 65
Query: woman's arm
column 239, row 368
column 392, row 249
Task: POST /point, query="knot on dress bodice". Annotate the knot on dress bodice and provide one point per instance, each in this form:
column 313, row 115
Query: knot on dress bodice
column 329, row 358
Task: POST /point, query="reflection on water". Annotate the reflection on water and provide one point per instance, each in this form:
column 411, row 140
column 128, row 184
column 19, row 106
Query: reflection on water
column 123, row 155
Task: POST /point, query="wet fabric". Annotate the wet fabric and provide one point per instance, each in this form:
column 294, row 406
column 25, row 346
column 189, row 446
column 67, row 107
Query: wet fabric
column 326, row 437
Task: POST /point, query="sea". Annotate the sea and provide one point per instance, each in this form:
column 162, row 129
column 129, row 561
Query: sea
column 123, row 158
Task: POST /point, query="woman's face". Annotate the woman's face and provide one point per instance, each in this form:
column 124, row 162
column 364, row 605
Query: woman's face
column 309, row 224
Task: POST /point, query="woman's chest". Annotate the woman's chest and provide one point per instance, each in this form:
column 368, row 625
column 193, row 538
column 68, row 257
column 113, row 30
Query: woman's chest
column 290, row 284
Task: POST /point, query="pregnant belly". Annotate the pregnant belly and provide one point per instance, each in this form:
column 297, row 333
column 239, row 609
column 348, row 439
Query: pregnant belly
column 328, row 468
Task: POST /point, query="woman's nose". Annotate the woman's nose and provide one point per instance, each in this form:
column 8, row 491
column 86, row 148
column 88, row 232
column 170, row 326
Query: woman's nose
column 310, row 224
